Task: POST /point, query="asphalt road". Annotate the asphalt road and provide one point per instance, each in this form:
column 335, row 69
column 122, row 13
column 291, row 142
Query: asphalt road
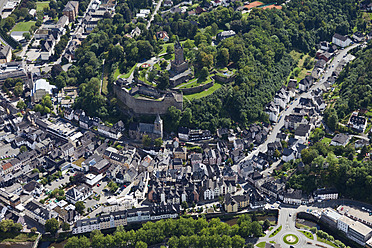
column 152, row 16
column 276, row 127
column 287, row 219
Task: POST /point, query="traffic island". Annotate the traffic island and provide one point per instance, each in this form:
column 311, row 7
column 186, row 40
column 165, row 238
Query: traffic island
column 290, row 239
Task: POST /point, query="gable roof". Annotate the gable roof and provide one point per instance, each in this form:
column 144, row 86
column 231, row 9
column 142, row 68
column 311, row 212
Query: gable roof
column 340, row 138
column 4, row 51
column 339, row 37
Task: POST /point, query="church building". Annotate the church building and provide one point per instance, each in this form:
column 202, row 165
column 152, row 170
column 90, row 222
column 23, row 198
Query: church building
column 154, row 131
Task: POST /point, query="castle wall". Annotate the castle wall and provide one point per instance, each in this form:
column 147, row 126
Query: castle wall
column 224, row 79
column 147, row 107
column 197, row 89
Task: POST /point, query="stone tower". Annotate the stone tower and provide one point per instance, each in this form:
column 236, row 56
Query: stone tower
column 179, row 64
column 158, row 126
column 178, row 54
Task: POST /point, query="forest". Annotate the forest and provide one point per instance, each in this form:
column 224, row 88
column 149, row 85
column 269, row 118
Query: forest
column 183, row 232
column 334, row 166
column 259, row 53
column 355, row 84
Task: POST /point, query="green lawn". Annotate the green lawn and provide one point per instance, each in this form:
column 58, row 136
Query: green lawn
column 326, row 241
column 261, row 245
column 23, row 26
column 326, row 140
column 117, row 72
column 164, row 46
column 286, row 237
column 205, row 93
column 275, row 232
column 41, row 5
column 308, row 234
column 194, row 82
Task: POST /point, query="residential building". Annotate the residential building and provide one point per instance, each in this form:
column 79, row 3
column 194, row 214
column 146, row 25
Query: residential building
column 109, row 131
column 167, row 3
column 293, row 196
column 358, row 37
column 305, row 83
column 340, row 139
column 357, row 123
column 162, row 35
column 273, row 111
column 38, row 212
column 341, row 40
column 225, row 34
column 5, row 54
column 325, row 194
column 288, row 154
column 78, row 193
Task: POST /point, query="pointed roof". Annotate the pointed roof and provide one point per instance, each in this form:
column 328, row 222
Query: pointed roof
column 158, row 119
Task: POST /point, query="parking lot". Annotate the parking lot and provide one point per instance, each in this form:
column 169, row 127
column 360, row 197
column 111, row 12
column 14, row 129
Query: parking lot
column 7, row 150
column 57, row 183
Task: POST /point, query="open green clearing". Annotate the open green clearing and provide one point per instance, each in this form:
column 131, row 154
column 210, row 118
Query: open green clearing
column 205, row 93
column 308, row 234
column 290, row 239
column 299, row 58
column 41, row 5
column 23, row 26
column 275, row 232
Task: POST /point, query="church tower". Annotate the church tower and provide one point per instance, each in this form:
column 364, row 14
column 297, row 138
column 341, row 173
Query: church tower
column 158, row 126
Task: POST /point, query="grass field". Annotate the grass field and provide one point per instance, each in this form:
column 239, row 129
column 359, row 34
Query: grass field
column 205, row 93
column 23, row 26
column 41, row 5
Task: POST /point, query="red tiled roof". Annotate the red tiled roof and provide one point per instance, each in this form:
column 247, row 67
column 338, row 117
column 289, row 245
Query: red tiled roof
column 7, row 166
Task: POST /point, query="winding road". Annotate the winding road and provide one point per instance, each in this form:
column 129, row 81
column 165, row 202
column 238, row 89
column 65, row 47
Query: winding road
column 155, row 12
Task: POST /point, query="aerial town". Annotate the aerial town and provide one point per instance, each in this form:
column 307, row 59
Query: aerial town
column 185, row 123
